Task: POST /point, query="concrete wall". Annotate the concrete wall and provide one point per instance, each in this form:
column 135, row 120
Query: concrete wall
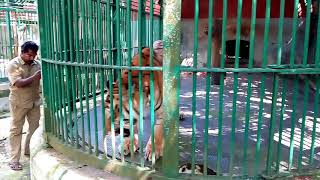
column 188, row 40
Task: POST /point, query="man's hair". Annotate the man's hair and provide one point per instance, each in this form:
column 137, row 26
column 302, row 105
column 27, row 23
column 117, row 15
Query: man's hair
column 29, row 45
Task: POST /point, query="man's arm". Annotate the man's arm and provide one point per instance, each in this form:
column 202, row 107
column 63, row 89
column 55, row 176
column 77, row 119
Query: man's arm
column 27, row 81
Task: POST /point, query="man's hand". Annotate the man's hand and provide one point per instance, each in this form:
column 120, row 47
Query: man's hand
column 25, row 82
column 36, row 75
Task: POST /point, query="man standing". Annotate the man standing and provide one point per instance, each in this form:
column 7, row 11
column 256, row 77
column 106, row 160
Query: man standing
column 24, row 76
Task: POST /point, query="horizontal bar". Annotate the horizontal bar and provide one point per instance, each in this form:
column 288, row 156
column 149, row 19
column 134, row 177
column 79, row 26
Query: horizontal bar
column 189, row 69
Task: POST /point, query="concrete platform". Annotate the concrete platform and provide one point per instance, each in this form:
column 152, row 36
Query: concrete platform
column 48, row 164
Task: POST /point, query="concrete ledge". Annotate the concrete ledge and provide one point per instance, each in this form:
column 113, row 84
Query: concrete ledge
column 4, row 93
column 4, row 86
column 46, row 163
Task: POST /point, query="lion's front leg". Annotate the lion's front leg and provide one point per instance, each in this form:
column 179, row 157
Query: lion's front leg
column 158, row 144
column 127, row 145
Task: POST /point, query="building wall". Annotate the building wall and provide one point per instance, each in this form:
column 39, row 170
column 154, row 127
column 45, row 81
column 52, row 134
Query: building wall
column 188, row 40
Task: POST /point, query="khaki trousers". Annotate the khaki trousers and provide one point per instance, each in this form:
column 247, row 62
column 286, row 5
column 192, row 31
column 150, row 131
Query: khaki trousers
column 19, row 115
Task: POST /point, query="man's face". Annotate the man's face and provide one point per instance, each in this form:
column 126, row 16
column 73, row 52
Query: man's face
column 28, row 56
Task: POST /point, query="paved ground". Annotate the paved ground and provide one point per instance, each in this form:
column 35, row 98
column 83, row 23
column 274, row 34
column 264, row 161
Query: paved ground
column 239, row 163
column 5, row 172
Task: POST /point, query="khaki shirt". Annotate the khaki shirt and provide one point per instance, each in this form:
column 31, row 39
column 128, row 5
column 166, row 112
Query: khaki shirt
column 28, row 96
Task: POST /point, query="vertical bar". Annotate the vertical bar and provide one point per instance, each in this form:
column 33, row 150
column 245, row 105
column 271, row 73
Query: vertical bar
column 140, row 44
column 79, row 69
column 234, row 99
column 129, row 31
column 52, row 92
column 171, row 88
column 8, row 20
column 274, row 92
column 65, row 81
column 46, row 67
column 306, row 83
column 118, row 48
column 194, row 84
column 85, row 56
column 109, row 22
column 307, row 34
column 283, row 97
column 280, row 32
column 284, row 86
column 60, row 73
column 100, row 46
column 292, row 58
column 316, row 103
column 294, row 32
column 152, row 115
column 249, row 89
column 221, row 89
column 293, row 121
column 53, row 66
column 208, row 85
column 93, row 73
column 315, row 120
column 76, row 70
column 272, row 122
column 73, row 115
column 304, row 112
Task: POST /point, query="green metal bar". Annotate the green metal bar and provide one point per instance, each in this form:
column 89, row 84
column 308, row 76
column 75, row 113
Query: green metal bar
column 8, row 21
column 283, row 97
column 194, row 87
column 78, row 72
column 304, row 113
column 46, row 85
column 272, row 123
column 140, row 44
column 274, row 91
column 152, row 97
column 293, row 122
column 171, row 85
column 251, row 57
column 118, row 46
column 316, row 103
column 102, row 75
column 93, row 73
column 234, row 99
column 60, row 74
column 297, row 70
column 306, row 82
column 66, row 58
column 263, row 79
column 294, row 32
column 292, row 59
column 221, row 89
column 129, row 31
column 54, row 58
column 73, row 119
column 315, row 120
column 307, row 33
column 52, row 91
column 284, row 87
column 109, row 22
column 208, row 85
column 280, row 32
column 85, row 56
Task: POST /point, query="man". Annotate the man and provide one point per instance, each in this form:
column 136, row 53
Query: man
column 24, row 76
